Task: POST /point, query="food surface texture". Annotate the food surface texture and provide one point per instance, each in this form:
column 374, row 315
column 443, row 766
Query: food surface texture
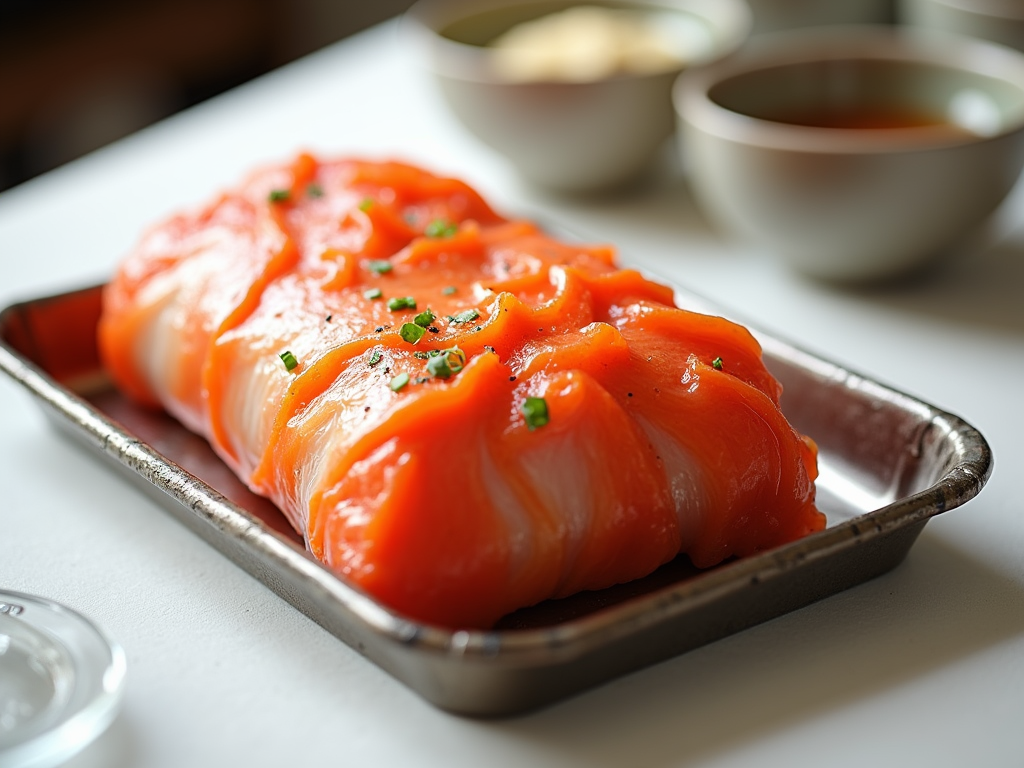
column 461, row 414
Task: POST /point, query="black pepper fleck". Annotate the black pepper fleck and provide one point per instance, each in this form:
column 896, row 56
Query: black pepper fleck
column 511, row 378
column 379, row 329
column 434, row 329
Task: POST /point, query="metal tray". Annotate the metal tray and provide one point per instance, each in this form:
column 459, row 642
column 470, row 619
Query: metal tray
column 888, row 463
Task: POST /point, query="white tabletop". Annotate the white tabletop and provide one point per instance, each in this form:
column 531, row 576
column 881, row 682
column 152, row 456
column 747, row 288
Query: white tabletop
column 923, row 666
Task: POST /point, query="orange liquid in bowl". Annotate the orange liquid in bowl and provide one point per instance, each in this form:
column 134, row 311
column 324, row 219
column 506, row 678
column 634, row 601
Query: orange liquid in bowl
column 871, row 119
column 860, row 118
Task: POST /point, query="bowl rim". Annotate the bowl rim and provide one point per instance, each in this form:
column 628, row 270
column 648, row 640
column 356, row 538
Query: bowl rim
column 420, row 26
column 996, row 10
column 874, row 42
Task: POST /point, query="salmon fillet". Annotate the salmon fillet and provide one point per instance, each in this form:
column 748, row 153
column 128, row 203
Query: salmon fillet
column 461, row 414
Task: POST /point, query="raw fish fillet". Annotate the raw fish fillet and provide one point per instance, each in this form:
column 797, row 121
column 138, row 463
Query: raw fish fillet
column 541, row 422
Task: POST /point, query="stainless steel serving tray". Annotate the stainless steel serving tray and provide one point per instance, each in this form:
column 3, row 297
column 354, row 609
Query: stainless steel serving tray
column 888, row 463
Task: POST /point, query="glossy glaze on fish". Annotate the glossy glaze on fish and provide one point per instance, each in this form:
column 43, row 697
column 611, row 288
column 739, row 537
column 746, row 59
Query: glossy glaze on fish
column 540, row 422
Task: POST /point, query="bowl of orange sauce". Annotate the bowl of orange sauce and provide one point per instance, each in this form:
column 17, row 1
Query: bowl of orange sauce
column 855, row 154
column 577, row 96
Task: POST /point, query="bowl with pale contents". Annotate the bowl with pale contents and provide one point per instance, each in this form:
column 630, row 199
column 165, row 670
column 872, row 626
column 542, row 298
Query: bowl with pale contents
column 577, row 97
column 855, row 154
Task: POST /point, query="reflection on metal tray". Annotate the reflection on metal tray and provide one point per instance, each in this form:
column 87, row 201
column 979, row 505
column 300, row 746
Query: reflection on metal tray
column 889, row 463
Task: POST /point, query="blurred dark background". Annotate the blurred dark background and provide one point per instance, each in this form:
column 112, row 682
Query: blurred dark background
column 78, row 74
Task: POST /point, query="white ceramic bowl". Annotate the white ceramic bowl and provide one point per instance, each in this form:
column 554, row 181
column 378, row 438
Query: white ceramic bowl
column 854, row 203
column 1001, row 21
column 564, row 136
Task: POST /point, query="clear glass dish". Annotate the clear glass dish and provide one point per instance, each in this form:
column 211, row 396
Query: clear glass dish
column 61, row 681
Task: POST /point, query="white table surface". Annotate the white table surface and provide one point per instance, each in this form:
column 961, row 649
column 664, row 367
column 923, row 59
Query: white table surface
column 923, row 666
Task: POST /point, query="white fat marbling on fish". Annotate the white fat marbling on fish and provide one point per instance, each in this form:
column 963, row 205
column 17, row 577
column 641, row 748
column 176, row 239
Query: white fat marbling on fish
column 155, row 346
column 252, row 395
column 561, row 475
column 685, row 480
column 519, row 525
column 356, row 402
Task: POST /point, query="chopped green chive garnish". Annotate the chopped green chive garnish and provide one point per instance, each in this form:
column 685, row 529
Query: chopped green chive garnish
column 314, row 190
column 375, row 357
column 380, row 266
column 456, row 359
column 373, row 293
column 466, row 316
column 441, row 228
column 399, row 381
column 535, row 410
column 438, row 366
column 423, row 355
column 424, row 318
column 717, row 363
column 401, row 302
column 279, row 195
column 449, row 290
column 447, row 362
column 366, row 204
column 411, row 332
column 289, row 360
